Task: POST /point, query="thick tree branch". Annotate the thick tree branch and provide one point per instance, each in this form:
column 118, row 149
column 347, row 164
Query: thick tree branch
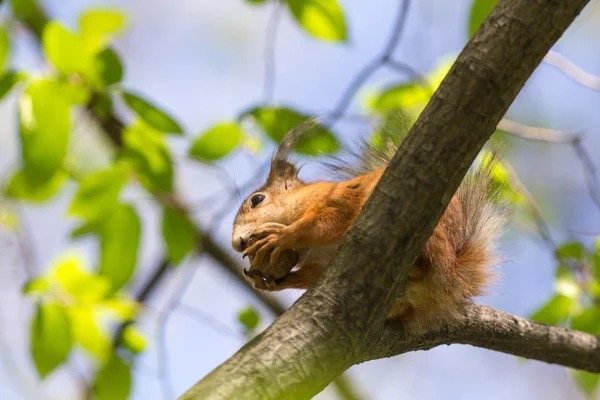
column 496, row 330
column 335, row 323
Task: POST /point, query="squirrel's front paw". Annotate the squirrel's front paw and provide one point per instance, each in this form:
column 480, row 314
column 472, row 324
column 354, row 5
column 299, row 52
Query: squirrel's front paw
column 267, row 244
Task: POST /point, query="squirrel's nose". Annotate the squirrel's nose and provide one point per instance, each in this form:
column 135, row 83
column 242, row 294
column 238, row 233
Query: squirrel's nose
column 239, row 244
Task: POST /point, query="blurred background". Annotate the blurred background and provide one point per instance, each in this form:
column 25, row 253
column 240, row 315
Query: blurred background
column 206, row 63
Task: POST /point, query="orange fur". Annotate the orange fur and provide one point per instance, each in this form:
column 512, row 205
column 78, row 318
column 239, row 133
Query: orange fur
column 313, row 219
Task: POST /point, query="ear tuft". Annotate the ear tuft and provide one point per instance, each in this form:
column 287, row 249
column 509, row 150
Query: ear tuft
column 282, row 170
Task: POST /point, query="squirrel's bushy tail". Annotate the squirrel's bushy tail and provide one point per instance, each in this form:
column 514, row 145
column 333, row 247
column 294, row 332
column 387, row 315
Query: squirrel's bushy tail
column 458, row 260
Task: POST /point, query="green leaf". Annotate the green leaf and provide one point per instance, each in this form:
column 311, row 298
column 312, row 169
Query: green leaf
column 119, row 242
column 249, row 318
column 405, row 96
column 84, row 287
column 20, row 187
column 89, row 334
column 51, row 338
column 133, row 340
column 479, row 12
column 113, row 381
column 565, row 284
column 256, row 1
column 574, row 250
column 4, row 47
column 588, row 321
column 276, row 122
column 150, row 114
column 65, row 50
column 7, row 81
column 98, row 193
column 587, row 381
column 179, row 234
column 121, row 308
column 556, row 311
column 28, row 11
column 217, row 142
column 98, row 27
column 108, row 67
column 36, row 286
column 146, row 150
column 86, row 229
column 323, row 19
column 45, row 126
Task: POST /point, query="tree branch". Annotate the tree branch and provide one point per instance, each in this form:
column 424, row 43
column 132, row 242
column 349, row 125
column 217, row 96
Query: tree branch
column 335, row 323
column 491, row 329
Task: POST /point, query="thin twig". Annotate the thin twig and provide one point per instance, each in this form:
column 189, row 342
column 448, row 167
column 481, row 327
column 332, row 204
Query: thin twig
column 535, row 133
column 567, row 67
column 373, row 65
column 558, row 137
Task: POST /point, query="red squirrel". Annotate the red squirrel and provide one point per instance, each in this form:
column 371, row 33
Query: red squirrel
column 290, row 229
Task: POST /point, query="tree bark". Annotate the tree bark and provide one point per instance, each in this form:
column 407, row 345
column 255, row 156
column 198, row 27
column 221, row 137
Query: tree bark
column 340, row 321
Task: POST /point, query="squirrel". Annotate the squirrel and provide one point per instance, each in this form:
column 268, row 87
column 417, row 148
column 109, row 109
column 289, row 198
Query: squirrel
column 290, row 230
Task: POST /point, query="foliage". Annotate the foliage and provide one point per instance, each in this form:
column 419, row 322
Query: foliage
column 78, row 307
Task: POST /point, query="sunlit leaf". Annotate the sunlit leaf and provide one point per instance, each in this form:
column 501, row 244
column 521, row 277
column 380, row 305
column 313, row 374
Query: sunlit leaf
column 9, row 219
column 133, row 340
column 217, row 142
column 108, row 67
column 66, row 50
column 587, row 381
column 36, row 286
column 276, row 122
column 249, row 318
column 98, row 27
column 113, row 381
column 45, row 126
column 145, row 148
column 439, row 72
column 4, row 47
column 256, row 1
column 88, row 333
column 84, row 287
column 323, row 19
column 123, row 309
column 588, row 321
column 98, row 193
column 178, row 233
column 7, row 81
column 20, row 187
column 565, row 283
column 119, row 242
column 405, row 96
column 479, row 12
column 150, row 114
column 556, row 311
column 51, row 338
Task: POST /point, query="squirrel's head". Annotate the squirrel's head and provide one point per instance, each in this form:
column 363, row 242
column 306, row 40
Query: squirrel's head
column 269, row 203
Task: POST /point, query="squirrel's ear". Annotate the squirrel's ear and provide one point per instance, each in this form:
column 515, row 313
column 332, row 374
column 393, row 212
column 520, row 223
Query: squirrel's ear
column 282, row 170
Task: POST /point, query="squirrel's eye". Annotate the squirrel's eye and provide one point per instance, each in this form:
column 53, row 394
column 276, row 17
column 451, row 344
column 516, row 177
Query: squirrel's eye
column 257, row 199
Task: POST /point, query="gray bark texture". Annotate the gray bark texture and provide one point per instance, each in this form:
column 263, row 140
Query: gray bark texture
column 340, row 321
